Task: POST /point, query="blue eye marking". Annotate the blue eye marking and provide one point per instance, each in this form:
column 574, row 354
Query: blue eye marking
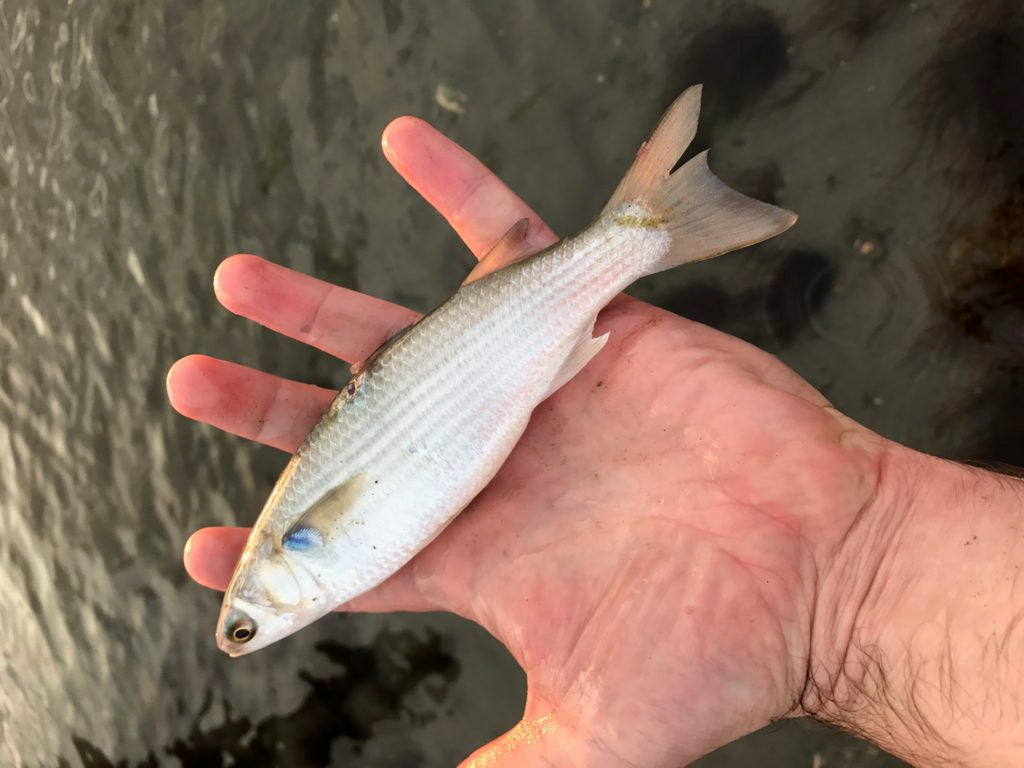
column 302, row 539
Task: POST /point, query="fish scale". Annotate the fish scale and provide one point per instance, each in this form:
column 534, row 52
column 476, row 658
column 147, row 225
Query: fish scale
column 423, row 428
column 430, row 399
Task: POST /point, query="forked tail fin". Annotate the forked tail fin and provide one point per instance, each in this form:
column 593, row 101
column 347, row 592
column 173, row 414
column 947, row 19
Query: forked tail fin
column 704, row 217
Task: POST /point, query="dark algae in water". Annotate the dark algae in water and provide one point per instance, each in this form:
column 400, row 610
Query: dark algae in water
column 372, row 685
column 981, row 303
column 967, row 101
column 968, row 93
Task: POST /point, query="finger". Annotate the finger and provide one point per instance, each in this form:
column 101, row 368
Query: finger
column 246, row 402
column 346, row 323
column 475, row 202
column 539, row 740
column 341, row 322
column 211, row 554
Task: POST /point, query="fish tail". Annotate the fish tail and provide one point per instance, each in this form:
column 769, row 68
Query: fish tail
column 703, row 216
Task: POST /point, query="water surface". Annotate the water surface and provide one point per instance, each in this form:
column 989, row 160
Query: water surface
column 143, row 141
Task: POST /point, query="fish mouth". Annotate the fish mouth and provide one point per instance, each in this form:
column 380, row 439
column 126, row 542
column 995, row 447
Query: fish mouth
column 238, row 630
column 261, row 625
column 231, row 648
column 231, row 651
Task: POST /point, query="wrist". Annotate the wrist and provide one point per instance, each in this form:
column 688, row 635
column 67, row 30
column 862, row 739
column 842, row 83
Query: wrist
column 917, row 640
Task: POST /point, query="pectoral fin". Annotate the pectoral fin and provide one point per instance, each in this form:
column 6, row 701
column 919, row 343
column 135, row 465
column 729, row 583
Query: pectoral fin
column 325, row 517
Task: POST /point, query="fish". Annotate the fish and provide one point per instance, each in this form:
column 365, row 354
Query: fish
column 426, row 422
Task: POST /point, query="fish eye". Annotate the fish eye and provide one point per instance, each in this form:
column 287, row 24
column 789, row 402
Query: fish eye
column 242, row 629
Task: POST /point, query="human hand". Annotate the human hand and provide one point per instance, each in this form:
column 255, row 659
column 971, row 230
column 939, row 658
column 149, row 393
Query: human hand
column 658, row 550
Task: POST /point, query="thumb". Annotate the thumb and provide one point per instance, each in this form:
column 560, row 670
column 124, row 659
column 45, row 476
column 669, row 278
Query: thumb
column 532, row 743
column 542, row 739
column 546, row 738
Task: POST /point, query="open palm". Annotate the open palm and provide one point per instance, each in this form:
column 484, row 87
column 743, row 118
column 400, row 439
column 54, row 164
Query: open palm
column 651, row 552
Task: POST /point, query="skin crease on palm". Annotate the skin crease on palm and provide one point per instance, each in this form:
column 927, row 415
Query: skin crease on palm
column 653, row 552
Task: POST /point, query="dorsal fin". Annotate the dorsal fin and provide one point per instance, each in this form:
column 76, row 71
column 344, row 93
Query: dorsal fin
column 317, row 523
column 511, row 248
column 357, row 368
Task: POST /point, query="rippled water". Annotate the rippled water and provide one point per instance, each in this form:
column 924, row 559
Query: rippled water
column 142, row 141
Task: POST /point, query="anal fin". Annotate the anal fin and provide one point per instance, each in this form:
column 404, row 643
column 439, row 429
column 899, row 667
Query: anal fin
column 577, row 360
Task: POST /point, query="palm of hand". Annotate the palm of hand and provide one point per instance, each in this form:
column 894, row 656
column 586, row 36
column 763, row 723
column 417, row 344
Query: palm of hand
column 646, row 551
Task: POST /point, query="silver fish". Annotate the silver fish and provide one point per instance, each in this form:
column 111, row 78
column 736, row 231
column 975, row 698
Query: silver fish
column 424, row 425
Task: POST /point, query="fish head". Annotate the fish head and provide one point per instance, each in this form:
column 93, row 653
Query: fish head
column 277, row 589
column 288, row 575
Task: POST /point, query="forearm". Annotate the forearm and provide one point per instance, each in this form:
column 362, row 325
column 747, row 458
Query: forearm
column 920, row 638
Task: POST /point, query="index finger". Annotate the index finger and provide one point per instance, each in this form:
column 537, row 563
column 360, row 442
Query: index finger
column 477, row 204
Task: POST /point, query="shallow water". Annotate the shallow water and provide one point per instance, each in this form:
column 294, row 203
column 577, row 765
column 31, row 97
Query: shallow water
column 143, row 141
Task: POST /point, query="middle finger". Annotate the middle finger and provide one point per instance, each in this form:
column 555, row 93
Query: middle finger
column 246, row 402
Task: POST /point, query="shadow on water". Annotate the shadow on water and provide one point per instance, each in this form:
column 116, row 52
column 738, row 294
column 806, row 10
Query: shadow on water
column 772, row 315
column 372, row 686
column 737, row 59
